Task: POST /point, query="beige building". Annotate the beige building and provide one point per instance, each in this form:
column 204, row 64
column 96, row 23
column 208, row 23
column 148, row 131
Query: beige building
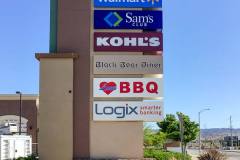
column 9, row 113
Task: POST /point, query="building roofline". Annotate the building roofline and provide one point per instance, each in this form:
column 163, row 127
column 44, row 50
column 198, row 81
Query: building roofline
column 16, row 96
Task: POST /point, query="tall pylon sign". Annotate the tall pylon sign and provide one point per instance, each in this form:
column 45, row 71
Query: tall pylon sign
column 101, row 80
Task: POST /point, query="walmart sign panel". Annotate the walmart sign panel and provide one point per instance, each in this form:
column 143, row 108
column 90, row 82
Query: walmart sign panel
column 129, row 19
column 129, row 3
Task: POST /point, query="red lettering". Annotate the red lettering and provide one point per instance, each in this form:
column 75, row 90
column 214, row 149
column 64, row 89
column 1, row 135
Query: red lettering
column 138, row 87
column 124, row 87
column 152, row 87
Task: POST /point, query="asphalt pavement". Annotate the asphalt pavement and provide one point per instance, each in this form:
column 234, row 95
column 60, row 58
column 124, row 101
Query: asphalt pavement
column 231, row 155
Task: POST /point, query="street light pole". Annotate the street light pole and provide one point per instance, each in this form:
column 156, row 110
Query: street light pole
column 199, row 136
column 199, row 122
column 20, row 112
column 181, row 125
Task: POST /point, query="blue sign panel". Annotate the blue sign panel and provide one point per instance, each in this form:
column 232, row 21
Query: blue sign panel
column 128, row 19
column 128, row 3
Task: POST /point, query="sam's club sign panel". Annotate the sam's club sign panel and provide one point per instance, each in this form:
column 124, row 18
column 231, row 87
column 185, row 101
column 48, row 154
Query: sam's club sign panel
column 127, row 111
column 128, row 3
column 128, row 87
column 129, row 19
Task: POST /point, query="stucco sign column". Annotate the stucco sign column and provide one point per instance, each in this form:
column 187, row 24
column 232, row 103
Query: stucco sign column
column 112, row 74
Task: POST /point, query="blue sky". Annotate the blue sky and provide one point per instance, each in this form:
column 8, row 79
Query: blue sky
column 201, row 54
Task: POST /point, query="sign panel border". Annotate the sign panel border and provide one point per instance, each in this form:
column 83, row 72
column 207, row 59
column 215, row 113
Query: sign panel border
column 127, row 64
column 146, row 111
column 128, row 19
column 110, row 87
column 145, row 42
column 146, row 4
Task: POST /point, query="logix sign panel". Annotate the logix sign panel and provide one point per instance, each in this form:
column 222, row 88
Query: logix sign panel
column 127, row 111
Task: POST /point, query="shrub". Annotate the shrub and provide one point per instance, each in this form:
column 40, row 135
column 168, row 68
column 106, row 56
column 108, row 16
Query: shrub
column 152, row 139
column 212, row 155
column 162, row 155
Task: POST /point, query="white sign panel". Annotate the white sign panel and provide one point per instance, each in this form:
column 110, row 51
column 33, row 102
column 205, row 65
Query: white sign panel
column 128, row 87
column 127, row 111
column 128, row 64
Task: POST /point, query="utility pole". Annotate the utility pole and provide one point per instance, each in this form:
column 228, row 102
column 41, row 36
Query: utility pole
column 231, row 130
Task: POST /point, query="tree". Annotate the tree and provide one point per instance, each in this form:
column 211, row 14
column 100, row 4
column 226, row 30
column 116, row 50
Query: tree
column 170, row 126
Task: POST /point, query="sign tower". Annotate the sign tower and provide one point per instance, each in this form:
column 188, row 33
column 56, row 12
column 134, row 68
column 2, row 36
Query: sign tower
column 101, row 80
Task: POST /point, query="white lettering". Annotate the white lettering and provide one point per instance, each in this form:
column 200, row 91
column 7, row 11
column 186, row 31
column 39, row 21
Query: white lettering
column 141, row 42
column 117, row 1
column 116, row 41
column 154, row 42
column 139, row 20
column 102, row 41
column 130, row 41
column 128, row 17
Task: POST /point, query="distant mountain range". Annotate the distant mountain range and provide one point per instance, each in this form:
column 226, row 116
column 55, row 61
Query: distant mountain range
column 215, row 133
column 218, row 133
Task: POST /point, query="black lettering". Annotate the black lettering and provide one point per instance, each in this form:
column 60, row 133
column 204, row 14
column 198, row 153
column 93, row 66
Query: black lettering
column 120, row 111
column 96, row 110
column 108, row 110
column 133, row 110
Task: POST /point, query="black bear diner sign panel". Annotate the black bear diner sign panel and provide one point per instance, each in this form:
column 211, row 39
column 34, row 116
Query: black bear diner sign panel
column 128, row 64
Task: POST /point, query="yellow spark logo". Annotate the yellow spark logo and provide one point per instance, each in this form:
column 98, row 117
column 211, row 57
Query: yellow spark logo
column 153, row 1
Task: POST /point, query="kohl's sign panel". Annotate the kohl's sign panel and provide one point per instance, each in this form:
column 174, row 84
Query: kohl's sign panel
column 128, row 42
column 127, row 111
column 128, row 19
column 128, row 3
column 128, row 87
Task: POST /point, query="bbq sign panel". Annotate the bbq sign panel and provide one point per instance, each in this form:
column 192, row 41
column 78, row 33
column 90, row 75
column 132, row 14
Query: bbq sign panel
column 128, row 3
column 128, row 42
column 127, row 111
column 128, row 87
column 129, row 19
column 128, row 64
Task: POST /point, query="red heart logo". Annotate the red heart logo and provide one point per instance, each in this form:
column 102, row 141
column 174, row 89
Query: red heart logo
column 108, row 87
